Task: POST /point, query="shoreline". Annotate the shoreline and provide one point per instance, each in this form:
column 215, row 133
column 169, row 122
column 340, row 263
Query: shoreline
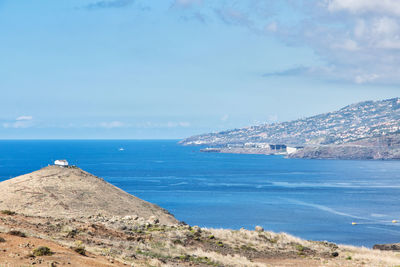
column 340, row 152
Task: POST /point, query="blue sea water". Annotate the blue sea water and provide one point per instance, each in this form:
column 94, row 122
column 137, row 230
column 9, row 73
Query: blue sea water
column 312, row 199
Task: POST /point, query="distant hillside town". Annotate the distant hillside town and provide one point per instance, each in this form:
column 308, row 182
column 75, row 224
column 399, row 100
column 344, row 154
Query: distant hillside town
column 345, row 127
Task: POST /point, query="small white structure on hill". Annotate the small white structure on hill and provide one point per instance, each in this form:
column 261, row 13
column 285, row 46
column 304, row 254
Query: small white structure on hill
column 61, row 162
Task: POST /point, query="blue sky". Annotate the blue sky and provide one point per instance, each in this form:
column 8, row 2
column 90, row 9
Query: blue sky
column 141, row 69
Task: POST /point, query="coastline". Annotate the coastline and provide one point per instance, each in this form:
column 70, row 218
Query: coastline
column 342, row 152
column 237, row 150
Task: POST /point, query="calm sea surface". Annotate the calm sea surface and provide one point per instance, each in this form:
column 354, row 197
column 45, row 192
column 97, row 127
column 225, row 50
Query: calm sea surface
column 312, row 199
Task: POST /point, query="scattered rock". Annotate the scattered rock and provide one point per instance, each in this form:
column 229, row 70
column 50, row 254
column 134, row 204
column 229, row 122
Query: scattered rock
column 335, row 254
column 26, row 245
column 123, row 227
column 392, row 247
column 259, row 229
column 196, row 229
column 153, row 220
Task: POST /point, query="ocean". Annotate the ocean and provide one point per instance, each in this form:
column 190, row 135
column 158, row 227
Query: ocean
column 312, row 199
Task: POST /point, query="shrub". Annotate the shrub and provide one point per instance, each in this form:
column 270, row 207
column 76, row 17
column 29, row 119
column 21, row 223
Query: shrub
column 2, row 240
column 17, row 233
column 72, row 233
column 42, row 251
column 8, row 212
column 198, row 260
column 80, row 250
column 248, row 248
column 177, row 242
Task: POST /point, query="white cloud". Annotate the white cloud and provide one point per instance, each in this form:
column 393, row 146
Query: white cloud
column 24, row 118
column 357, row 41
column 184, row 124
column 349, row 45
column 186, row 3
column 168, row 124
column 104, row 4
column 234, row 16
column 20, row 122
column 363, row 6
column 389, row 44
column 172, row 124
column 112, row 124
column 385, row 26
column 365, row 78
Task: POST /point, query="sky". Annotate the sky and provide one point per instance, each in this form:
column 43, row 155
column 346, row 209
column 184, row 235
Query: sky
column 169, row 69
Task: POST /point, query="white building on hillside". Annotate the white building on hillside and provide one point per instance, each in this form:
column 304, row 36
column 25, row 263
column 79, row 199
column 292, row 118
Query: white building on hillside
column 291, row 150
column 61, row 162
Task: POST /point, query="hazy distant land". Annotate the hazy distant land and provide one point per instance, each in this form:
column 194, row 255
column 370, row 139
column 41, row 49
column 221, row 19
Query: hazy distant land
column 365, row 130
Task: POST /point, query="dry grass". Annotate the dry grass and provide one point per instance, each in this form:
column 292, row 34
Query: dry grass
column 348, row 255
column 377, row 257
column 225, row 260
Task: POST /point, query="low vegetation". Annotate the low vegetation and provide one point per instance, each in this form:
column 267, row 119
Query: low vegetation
column 138, row 242
column 7, row 212
column 17, row 233
column 42, row 251
column 80, row 250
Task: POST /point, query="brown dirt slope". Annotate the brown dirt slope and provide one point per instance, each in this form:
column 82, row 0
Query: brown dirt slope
column 17, row 251
column 71, row 192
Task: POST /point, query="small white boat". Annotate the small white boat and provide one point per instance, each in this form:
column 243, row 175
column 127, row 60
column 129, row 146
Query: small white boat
column 121, row 149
